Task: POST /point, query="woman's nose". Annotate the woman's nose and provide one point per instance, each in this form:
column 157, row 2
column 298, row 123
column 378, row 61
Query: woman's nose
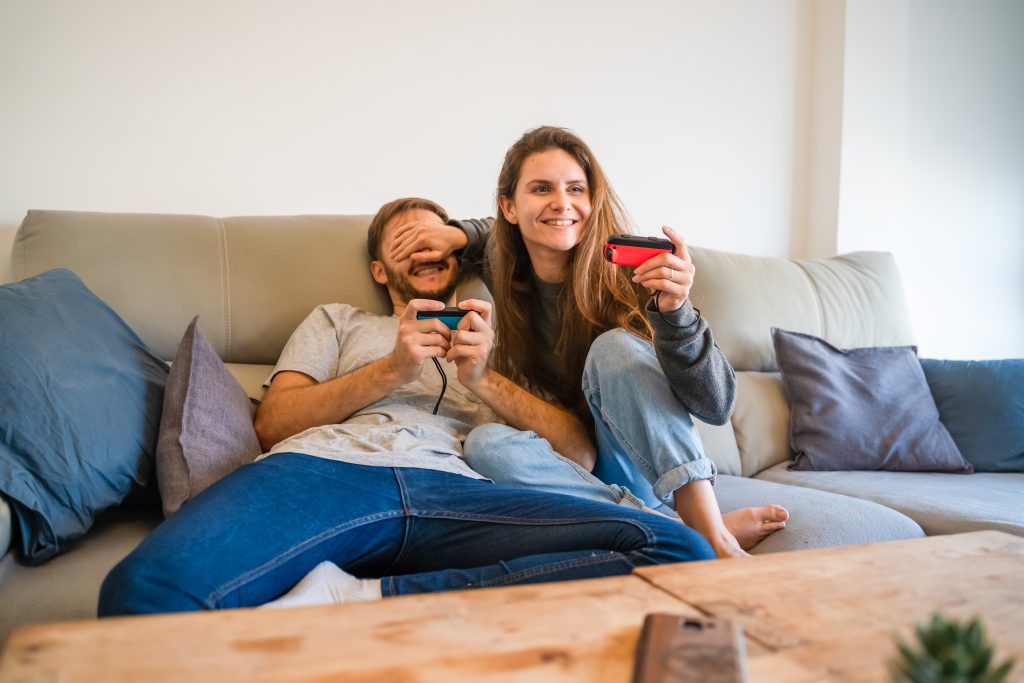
column 560, row 200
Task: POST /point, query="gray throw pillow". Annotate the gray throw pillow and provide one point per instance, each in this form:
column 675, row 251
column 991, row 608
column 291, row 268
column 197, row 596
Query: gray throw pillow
column 861, row 409
column 206, row 427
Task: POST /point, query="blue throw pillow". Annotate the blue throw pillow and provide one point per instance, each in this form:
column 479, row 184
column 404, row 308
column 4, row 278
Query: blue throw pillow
column 981, row 402
column 80, row 401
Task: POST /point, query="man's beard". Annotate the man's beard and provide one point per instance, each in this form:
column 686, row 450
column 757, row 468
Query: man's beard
column 407, row 292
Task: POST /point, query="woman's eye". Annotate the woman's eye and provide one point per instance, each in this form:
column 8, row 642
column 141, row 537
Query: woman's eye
column 579, row 189
column 541, row 188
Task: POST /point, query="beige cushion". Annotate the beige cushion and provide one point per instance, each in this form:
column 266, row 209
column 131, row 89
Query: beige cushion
column 68, row 586
column 720, row 446
column 761, row 421
column 851, row 301
column 251, row 280
column 251, row 377
column 940, row 502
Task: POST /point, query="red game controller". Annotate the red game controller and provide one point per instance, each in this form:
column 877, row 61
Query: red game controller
column 632, row 250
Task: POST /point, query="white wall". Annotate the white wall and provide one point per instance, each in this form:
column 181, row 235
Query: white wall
column 792, row 127
column 933, row 163
column 236, row 107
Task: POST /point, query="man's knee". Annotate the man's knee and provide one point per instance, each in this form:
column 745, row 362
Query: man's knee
column 132, row 587
column 123, row 590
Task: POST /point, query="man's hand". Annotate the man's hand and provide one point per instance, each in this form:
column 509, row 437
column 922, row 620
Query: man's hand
column 418, row 340
column 425, row 240
column 472, row 342
column 671, row 274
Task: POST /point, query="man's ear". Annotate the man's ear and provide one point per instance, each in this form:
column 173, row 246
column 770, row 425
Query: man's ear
column 380, row 275
column 508, row 209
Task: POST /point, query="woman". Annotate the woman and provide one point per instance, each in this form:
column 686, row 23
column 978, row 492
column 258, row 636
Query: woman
column 567, row 320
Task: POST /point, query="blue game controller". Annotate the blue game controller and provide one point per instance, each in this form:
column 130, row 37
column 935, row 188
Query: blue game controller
column 449, row 316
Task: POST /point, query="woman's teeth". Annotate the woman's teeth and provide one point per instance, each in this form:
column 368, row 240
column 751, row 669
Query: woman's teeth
column 560, row 223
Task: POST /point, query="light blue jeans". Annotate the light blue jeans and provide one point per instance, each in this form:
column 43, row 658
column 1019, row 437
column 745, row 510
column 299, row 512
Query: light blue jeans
column 647, row 445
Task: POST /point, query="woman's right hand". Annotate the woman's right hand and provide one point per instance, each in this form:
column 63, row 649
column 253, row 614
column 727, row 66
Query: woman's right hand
column 426, row 241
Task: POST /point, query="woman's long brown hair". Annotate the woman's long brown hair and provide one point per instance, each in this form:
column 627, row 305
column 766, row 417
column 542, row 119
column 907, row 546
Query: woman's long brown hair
column 599, row 296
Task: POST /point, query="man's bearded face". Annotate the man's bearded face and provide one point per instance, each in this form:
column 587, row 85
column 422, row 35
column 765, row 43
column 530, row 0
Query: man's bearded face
column 409, row 279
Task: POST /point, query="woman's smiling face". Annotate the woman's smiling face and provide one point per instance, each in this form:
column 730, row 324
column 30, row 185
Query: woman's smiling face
column 551, row 204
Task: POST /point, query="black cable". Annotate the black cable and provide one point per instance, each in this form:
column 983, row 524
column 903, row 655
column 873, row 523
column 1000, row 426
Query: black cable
column 666, row 320
column 444, row 383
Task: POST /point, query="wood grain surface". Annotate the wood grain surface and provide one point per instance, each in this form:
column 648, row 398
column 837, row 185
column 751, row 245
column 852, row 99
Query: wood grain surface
column 572, row 631
column 833, row 613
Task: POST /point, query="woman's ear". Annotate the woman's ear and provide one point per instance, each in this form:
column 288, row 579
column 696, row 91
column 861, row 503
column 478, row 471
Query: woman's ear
column 508, row 209
column 380, row 276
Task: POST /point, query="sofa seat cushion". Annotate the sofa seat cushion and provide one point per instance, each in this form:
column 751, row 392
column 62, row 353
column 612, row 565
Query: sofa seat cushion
column 941, row 503
column 251, row 377
column 816, row 519
column 68, row 586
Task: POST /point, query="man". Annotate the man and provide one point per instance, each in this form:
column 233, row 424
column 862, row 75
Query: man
column 364, row 482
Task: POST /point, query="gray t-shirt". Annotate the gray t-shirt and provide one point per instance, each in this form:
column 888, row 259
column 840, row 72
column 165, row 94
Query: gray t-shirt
column 397, row 431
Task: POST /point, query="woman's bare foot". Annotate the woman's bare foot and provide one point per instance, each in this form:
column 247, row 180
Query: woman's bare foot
column 750, row 526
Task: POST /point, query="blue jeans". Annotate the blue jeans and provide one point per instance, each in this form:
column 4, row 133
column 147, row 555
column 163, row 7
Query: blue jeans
column 253, row 535
column 647, row 445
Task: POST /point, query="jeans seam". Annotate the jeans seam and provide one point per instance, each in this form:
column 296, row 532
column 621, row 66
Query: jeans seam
column 224, row 589
column 403, row 495
column 523, row 574
column 530, row 521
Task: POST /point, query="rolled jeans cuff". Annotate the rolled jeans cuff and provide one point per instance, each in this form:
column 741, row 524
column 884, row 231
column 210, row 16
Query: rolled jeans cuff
column 680, row 476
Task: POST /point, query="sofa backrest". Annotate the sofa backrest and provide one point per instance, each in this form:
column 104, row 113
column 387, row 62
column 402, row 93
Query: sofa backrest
column 851, row 301
column 251, row 280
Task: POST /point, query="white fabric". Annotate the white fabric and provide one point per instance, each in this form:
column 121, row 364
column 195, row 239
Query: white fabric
column 328, row 584
column 941, row 503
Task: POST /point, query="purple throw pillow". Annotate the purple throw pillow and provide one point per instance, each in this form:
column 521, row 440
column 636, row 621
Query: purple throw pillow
column 861, row 409
column 206, row 427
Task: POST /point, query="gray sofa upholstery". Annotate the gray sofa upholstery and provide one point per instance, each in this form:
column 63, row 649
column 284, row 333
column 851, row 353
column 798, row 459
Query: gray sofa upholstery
column 253, row 279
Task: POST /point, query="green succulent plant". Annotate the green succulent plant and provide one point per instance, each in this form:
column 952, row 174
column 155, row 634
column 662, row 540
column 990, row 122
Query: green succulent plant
column 948, row 651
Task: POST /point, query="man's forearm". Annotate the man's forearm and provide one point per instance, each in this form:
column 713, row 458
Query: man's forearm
column 292, row 409
column 522, row 410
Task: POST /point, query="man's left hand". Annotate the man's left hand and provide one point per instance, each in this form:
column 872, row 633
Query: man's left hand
column 472, row 342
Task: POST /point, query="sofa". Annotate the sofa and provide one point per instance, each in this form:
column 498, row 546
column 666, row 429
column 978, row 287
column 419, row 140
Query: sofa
column 251, row 280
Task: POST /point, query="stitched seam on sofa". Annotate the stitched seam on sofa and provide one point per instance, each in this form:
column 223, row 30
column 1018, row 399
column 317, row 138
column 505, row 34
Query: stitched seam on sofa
column 225, row 284
column 217, row 594
column 817, row 300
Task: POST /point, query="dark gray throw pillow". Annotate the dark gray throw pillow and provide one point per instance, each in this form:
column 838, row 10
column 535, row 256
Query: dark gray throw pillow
column 861, row 409
column 206, row 427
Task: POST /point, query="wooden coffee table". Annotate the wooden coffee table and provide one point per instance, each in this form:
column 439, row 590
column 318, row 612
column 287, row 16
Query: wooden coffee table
column 809, row 616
